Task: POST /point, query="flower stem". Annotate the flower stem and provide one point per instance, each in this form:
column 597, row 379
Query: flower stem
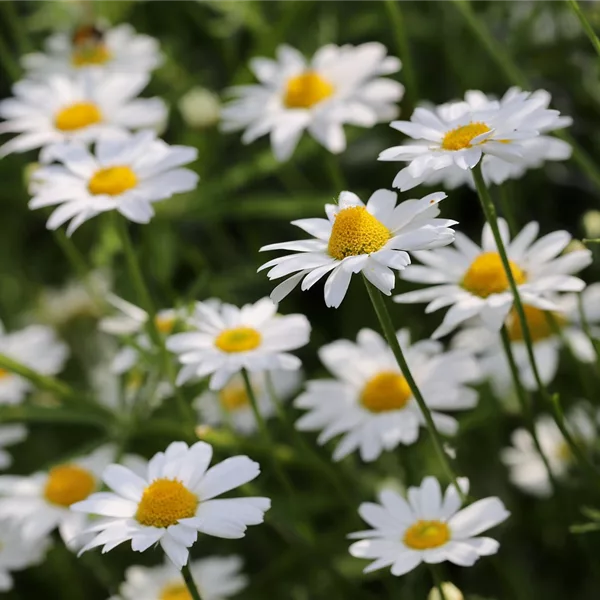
column 388, row 329
column 587, row 26
column 437, row 579
column 190, row 583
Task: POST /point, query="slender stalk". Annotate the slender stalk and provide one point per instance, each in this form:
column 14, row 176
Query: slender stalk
column 390, row 333
column 587, row 26
column 335, row 172
column 55, row 416
column 437, row 579
column 190, row 583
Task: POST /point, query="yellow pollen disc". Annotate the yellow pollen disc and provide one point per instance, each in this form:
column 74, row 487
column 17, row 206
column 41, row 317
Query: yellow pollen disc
column 77, row 116
column 306, row 90
column 112, row 181
column 68, row 484
column 164, row 502
column 233, row 397
column 240, row 339
column 90, row 54
column 165, row 324
column 4, row 373
column 539, row 323
column 486, row 275
column 175, row 591
column 386, row 391
column 355, row 231
column 423, row 535
column 461, row 137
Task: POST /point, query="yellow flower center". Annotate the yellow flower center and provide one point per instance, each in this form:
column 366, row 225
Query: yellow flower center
column 165, row 324
column 461, row 137
column 486, row 275
column 386, row 391
column 90, row 54
column 239, row 339
column 4, row 373
column 539, row 323
column 306, row 90
column 164, row 502
column 175, row 591
column 112, row 181
column 68, row 484
column 233, row 397
column 77, row 116
column 355, row 231
column 423, row 535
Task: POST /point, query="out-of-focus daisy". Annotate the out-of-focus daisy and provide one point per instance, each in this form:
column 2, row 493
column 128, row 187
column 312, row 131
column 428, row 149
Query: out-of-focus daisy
column 427, row 527
column 10, row 435
column 231, row 405
column 227, row 339
column 127, row 175
column 370, row 402
column 471, row 279
column 83, row 107
column 119, row 49
column 173, row 501
column 17, row 552
column 457, row 135
column 340, row 85
column 36, row 347
column 372, row 239
column 217, row 577
column 526, row 468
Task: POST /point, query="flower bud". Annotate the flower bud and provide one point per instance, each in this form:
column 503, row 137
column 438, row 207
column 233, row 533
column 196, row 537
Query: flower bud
column 200, row 108
column 451, row 592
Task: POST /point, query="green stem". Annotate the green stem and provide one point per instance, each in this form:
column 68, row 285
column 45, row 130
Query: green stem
column 507, row 209
column 58, row 415
column 587, row 26
column 437, row 579
column 390, row 333
column 190, row 583
column 335, row 173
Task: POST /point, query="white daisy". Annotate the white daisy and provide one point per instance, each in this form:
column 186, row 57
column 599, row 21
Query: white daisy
column 10, row 435
column 119, row 49
column 370, row 402
column 17, row 552
column 372, row 239
column 459, row 134
column 526, row 468
column 340, row 85
column 227, row 339
column 36, row 347
column 83, row 107
column 231, row 404
column 127, row 175
column 173, row 502
column 472, row 280
column 217, row 577
column 426, row 528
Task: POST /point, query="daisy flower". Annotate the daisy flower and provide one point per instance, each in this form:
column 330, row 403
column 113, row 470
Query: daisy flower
column 10, row 435
column 231, row 404
column 372, row 239
column 119, row 49
column 340, row 85
column 17, row 552
column 83, row 107
column 36, row 347
column 127, row 175
column 526, row 468
column 173, row 501
column 426, row 527
column 370, row 402
column 217, row 578
column 457, row 135
column 227, row 339
column 472, row 281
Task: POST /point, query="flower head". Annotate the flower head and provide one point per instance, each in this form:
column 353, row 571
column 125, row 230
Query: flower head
column 372, row 239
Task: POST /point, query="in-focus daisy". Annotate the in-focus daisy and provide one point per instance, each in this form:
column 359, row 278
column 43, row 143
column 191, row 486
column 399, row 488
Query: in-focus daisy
column 372, row 239
column 10, row 435
column 17, row 552
column 217, row 577
column 426, row 527
column 460, row 133
column 370, row 402
column 340, row 85
column 119, row 49
column 526, row 468
column 83, row 107
column 472, row 281
column 173, row 501
column 127, row 175
column 231, row 405
column 227, row 339
column 36, row 347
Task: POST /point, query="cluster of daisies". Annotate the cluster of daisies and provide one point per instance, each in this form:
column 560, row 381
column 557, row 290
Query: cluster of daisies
column 99, row 152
